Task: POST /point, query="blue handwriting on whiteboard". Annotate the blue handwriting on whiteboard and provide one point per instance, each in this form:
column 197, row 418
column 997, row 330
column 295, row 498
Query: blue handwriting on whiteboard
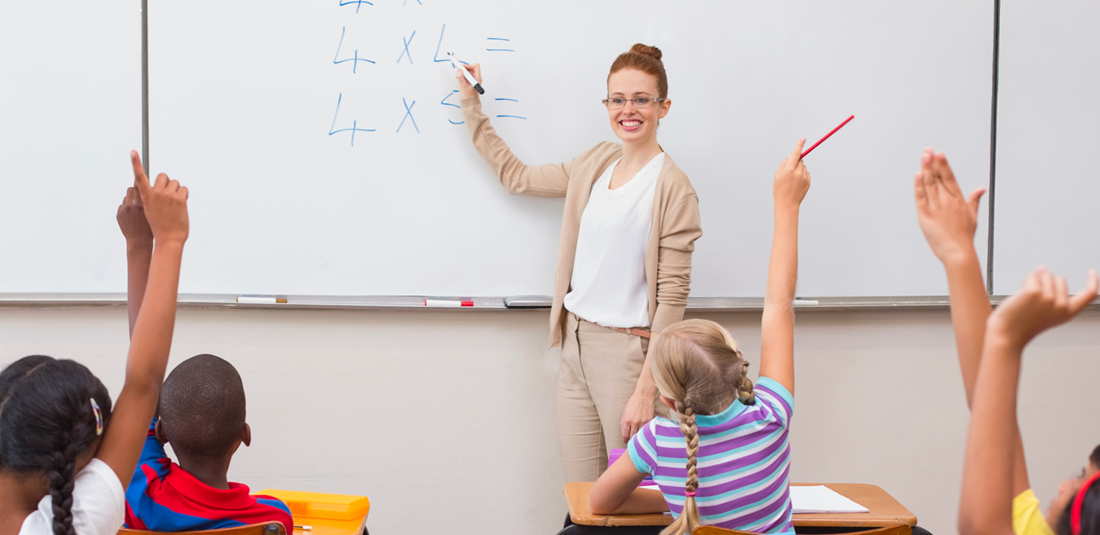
column 407, row 1
column 445, row 103
column 406, row 51
column 439, row 44
column 355, row 59
column 408, row 115
column 354, row 124
column 510, row 116
column 498, row 41
column 358, row 3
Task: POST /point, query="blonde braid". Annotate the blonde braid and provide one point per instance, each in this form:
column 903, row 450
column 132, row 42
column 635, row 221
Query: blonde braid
column 744, row 388
column 689, row 519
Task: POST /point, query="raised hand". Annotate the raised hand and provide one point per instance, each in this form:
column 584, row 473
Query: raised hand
column 164, row 203
column 465, row 88
column 792, row 180
column 947, row 218
column 131, row 219
column 1042, row 303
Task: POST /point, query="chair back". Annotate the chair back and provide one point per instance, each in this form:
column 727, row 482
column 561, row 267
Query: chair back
column 266, row 528
column 893, row 529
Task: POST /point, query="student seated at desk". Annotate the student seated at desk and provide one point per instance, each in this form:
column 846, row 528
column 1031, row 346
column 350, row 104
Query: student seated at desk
column 740, row 430
column 202, row 415
column 997, row 496
column 64, row 454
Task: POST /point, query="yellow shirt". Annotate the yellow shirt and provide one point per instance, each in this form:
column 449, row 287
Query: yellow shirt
column 1027, row 518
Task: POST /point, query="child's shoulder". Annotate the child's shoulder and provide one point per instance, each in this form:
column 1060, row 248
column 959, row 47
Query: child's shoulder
column 774, row 396
column 772, row 387
column 98, row 504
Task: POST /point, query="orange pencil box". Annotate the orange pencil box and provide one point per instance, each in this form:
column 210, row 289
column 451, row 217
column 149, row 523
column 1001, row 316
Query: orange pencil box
column 317, row 513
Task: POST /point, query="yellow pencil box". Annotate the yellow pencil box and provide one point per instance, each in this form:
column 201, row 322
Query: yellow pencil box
column 326, row 514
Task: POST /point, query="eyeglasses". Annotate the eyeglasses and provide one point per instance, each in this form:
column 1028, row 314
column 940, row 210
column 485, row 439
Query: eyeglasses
column 641, row 102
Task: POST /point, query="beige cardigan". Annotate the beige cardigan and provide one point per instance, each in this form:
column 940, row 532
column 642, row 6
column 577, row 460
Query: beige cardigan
column 675, row 216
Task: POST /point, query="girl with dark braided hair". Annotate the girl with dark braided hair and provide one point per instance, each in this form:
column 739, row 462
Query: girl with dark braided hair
column 64, row 454
column 733, row 468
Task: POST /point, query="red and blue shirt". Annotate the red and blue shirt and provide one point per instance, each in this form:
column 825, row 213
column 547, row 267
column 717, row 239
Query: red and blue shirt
column 164, row 497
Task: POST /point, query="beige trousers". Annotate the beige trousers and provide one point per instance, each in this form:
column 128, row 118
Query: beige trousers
column 598, row 373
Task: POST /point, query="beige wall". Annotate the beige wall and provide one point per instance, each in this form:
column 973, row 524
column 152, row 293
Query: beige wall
column 445, row 418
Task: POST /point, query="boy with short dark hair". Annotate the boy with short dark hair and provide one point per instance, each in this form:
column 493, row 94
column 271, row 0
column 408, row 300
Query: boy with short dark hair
column 202, row 415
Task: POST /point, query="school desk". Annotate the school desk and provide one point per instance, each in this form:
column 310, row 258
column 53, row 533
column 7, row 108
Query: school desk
column 884, row 510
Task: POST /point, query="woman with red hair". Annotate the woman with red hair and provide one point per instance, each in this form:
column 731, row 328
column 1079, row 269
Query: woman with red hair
column 624, row 261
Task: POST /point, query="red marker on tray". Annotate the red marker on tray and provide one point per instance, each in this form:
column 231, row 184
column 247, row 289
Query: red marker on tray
column 833, row 131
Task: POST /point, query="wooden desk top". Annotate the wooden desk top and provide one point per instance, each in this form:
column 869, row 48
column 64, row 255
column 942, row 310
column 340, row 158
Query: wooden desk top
column 885, row 510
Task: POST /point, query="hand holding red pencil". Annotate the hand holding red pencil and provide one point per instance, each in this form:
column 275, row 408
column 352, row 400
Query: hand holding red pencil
column 831, row 132
column 792, row 179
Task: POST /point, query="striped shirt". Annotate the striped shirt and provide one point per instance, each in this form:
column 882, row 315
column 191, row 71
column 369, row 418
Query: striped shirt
column 164, row 497
column 743, row 462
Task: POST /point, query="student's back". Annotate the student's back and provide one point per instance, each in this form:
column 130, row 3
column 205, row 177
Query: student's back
column 63, row 452
column 202, row 415
column 52, row 413
column 726, row 462
column 742, row 458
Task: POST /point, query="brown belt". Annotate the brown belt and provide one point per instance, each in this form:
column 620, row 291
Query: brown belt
column 644, row 333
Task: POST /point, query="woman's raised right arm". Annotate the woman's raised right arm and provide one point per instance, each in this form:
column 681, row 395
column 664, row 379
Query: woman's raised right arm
column 518, row 178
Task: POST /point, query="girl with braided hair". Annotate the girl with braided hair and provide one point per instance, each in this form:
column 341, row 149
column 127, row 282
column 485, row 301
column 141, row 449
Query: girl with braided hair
column 64, row 455
column 732, row 464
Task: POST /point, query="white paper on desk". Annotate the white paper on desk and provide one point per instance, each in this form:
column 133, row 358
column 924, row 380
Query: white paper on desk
column 822, row 499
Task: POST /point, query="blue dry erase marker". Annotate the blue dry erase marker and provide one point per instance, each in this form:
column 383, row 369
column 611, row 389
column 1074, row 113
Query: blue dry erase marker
column 469, row 77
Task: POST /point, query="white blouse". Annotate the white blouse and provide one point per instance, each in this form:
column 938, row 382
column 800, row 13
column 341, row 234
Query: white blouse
column 99, row 504
column 609, row 284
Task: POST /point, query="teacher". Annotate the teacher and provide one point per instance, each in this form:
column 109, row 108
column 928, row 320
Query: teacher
column 624, row 261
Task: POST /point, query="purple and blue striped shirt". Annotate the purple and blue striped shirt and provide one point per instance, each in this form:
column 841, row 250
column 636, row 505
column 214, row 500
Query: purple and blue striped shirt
column 743, row 462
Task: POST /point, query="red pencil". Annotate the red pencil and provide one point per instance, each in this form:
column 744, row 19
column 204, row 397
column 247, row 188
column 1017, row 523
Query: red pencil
column 833, row 131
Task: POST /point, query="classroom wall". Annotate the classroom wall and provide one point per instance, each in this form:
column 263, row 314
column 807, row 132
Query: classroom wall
column 445, row 418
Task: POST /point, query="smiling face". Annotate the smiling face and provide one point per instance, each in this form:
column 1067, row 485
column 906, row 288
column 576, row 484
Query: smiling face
column 1067, row 490
column 632, row 124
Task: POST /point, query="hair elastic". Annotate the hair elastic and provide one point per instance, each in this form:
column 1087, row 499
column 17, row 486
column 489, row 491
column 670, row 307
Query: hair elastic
column 689, row 494
column 1078, row 502
column 98, row 418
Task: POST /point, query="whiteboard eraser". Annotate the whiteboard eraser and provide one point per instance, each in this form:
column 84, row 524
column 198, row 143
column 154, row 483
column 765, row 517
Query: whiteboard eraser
column 528, row 301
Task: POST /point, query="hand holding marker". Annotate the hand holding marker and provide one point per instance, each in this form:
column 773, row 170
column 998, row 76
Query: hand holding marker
column 469, row 77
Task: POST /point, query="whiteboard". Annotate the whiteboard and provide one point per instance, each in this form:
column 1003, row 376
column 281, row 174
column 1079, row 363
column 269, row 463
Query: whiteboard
column 318, row 139
column 1047, row 181
column 70, row 112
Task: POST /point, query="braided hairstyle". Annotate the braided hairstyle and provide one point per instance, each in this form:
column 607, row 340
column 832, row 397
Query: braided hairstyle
column 697, row 365
column 47, row 422
column 689, row 519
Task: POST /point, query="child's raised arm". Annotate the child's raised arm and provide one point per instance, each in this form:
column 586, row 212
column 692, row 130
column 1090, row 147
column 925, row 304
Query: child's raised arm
column 948, row 221
column 139, row 251
column 165, row 206
column 988, row 471
column 791, row 183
